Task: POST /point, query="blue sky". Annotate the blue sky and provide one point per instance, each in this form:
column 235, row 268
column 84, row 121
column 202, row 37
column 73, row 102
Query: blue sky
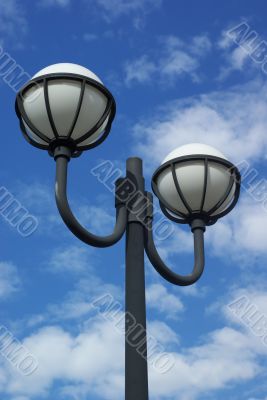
column 178, row 76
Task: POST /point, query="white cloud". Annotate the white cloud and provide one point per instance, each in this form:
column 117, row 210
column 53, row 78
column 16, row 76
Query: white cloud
column 9, row 279
column 62, row 356
column 72, row 259
column 179, row 63
column 226, row 357
column 79, row 263
column 163, row 301
column 162, row 333
column 37, row 195
column 263, row 398
column 242, row 233
column 60, row 3
column 139, row 70
column 20, row 398
column 236, row 60
column 238, row 47
column 179, row 241
column 245, row 309
column 117, row 8
column 255, row 295
column 12, row 20
column 98, row 218
column 90, row 37
column 175, row 59
column 92, row 363
column 201, row 45
column 195, row 290
column 233, row 120
column 39, row 200
column 78, row 302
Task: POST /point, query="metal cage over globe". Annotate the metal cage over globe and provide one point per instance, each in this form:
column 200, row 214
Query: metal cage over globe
column 65, row 104
column 196, row 182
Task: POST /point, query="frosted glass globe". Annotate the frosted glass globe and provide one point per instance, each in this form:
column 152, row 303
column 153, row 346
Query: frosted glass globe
column 191, row 178
column 64, row 95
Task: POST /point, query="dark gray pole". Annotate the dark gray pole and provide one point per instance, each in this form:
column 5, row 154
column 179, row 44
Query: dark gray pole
column 136, row 376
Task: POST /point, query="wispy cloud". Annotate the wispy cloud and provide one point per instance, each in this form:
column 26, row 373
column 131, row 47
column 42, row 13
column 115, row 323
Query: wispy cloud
column 9, row 279
column 72, row 259
column 235, row 57
column 243, row 50
column 60, row 3
column 140, row 70
column 13, row 21
column 223, row 119
column 176, row 59
column 161, row 300
column 117, row 8
column 242, row 233
column 90, row 37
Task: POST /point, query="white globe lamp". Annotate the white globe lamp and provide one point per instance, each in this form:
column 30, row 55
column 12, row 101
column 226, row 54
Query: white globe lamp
column 65, row 104
column 196, row 181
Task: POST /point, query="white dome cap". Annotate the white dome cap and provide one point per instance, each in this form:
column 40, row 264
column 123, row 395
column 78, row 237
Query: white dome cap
column 193, row 149
column 67, row 68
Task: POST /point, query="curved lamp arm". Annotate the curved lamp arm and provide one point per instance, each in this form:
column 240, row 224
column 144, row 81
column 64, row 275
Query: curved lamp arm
column 74, row 226
column 198, row 230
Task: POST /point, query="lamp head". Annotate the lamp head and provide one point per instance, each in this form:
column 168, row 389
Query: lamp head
column 65, row 104
column 196, row 181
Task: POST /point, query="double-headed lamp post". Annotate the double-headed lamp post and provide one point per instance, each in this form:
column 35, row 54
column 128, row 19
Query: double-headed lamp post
column 65, row 109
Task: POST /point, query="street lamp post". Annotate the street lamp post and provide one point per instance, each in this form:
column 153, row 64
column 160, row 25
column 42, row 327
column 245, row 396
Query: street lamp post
column 65, row 109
